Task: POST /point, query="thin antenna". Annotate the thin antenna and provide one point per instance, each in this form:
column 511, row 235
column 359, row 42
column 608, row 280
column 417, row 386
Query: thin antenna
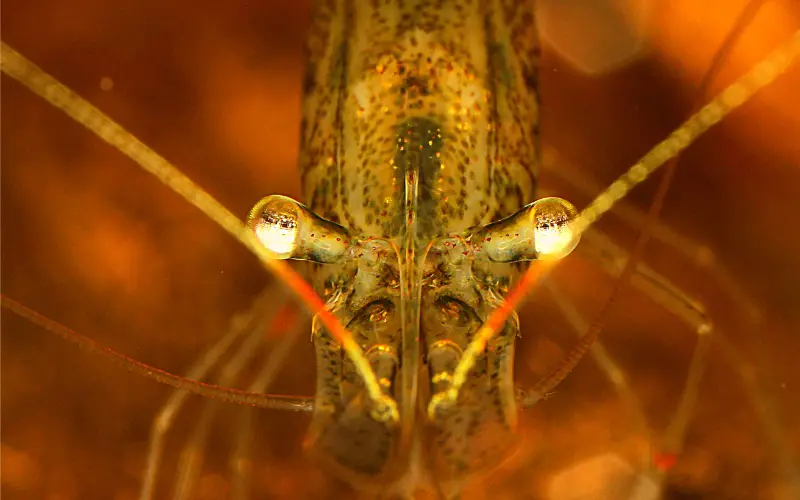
column 21, row 69
column 736, row 94
column 701, row 119
column 273, row 402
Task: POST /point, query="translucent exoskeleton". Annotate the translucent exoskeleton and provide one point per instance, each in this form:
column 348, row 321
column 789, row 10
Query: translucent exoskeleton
column 95, row 243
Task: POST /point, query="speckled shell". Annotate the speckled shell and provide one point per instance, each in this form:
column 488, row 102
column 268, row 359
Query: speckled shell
column 440, row 96
column 464, row 70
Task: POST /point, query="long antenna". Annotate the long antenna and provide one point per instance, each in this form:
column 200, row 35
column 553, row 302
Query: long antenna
column 273, row 402
column 702, row 118
column 18, row 67
column 736, row 94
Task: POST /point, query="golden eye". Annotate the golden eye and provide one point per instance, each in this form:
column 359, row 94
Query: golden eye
column 289, row 230
column 275, row 222
column 541, row 230
column 552, row 235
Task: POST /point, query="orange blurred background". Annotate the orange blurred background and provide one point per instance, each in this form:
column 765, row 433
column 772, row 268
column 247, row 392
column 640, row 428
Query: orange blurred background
column 95, row 243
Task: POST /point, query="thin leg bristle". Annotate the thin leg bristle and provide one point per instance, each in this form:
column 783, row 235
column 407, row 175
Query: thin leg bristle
column 165, row 417
column 192, row 455
column 604, row 360
column 240, row 461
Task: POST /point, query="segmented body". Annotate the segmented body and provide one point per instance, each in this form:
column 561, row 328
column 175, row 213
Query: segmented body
column 122, row 291
column 420, row 121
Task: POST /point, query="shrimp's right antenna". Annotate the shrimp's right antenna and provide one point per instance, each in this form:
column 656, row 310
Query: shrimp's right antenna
column 701, row 120
column 736, row 94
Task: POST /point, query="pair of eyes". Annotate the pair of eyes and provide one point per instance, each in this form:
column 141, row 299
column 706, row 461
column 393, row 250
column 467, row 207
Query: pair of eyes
column 289, row 230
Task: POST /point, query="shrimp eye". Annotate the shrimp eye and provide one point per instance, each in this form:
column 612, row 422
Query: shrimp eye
column 290, row 230
column 539, row 231
column 275, row 221
column 553, row 237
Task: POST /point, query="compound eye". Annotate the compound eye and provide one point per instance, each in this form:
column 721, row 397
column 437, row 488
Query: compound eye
column 553, row 237
column 276, row 220
column 539, row 231
column 291, row 231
